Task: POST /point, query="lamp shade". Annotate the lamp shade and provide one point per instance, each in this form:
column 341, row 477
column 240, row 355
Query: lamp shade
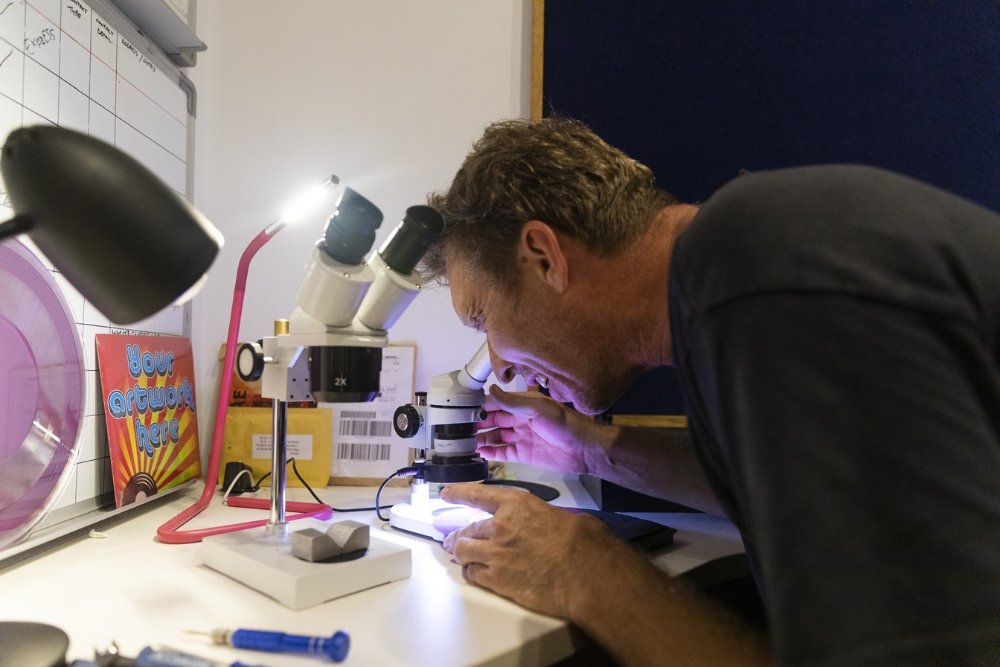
column 123, row 238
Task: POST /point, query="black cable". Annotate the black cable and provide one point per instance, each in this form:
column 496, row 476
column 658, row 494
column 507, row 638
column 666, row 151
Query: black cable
column 256, row 487
column 295, row 469
column 408, row 470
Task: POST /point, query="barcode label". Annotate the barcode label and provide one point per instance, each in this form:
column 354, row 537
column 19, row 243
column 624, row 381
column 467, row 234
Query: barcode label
column 360, row 451
column 356, row 427
column 358, row 414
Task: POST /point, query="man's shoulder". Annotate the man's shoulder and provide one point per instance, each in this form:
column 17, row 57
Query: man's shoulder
column 792, row 195
column 762, row 226
column 846, row 193
column 832, row 227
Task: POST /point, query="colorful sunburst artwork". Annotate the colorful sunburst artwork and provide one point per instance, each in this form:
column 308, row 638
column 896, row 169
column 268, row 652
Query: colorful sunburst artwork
column 147, row 384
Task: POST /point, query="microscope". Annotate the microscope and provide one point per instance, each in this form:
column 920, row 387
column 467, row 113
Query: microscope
column 441, row 422
column 331, row 353
column 329, row 350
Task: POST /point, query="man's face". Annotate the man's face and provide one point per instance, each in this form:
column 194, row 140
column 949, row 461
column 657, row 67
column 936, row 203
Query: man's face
column 542, row 337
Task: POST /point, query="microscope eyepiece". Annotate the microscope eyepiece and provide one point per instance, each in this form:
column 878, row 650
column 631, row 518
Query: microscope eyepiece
column 350, row 232
column 410, row 239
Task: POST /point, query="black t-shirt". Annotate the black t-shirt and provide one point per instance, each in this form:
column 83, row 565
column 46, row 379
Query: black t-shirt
column 837, row 334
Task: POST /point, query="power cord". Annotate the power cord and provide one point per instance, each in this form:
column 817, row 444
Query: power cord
column 255, row 486
column 402, row 472
column 232, row 484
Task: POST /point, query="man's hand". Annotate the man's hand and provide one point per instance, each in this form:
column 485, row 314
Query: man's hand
column 571, row 566
column 541, row 557
column 529, row 427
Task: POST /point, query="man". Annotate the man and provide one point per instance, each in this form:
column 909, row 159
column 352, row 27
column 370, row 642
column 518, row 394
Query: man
column 837, row 334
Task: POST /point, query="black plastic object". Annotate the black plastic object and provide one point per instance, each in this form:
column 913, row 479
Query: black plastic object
column 244, row 483
column 350, row 232
column 344, row 374
column 459, row 431
column 454, row 469
column 32, row 644
column 123, row 238
column 411, row 238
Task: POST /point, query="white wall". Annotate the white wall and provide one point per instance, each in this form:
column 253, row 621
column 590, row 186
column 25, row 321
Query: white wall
column 388, row 95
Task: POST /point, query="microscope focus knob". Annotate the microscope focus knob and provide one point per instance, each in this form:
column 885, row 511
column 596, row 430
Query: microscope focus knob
column 406, row 421
column 250, row 361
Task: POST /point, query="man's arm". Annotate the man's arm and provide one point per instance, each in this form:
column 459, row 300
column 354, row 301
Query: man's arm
column 658, row 462
column 571, row 566
column 531, row 428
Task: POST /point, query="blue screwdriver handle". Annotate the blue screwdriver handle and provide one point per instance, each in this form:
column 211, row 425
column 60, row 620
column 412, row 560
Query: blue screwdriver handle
column 335, row 647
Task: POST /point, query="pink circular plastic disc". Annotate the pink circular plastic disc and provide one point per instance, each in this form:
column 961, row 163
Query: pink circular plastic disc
column 41, row 391
column 20, row 390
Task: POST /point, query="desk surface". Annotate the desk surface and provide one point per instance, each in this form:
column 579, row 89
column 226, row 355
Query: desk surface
column 128, row 588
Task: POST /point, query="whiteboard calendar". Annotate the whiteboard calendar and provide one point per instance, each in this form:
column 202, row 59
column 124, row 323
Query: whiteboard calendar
column 61, row 63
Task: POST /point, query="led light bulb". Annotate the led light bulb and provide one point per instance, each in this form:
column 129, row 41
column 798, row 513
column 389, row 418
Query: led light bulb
column 306, row 202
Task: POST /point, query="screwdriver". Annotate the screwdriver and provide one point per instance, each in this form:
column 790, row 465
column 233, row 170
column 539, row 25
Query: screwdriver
column 334, row 647
column 151, row 656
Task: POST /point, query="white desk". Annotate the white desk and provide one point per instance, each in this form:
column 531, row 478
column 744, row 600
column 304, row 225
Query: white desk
column 131, row 589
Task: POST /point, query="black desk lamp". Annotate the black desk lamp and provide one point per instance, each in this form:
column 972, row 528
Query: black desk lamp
column 125, row 240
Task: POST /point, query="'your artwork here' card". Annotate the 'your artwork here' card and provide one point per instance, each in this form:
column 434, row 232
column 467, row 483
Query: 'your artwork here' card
column 147, row 384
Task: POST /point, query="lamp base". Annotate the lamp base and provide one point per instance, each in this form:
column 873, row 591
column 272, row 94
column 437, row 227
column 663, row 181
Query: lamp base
column 433, row 517
column 262, row 559
column 33, row 644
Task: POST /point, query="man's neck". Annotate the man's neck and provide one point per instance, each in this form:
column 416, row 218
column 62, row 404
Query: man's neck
column 650, row 260
column 626, row 294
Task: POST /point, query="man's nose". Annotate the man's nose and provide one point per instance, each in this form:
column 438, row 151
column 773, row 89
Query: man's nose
column 502, row 369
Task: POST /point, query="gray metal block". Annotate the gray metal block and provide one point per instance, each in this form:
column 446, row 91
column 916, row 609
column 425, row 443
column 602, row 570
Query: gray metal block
column 350, row 535
column 340, row 539
column 312, row 545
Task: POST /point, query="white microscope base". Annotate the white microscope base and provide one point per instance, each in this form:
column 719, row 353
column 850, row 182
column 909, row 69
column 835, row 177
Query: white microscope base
column 262, row 559
column 421, row 518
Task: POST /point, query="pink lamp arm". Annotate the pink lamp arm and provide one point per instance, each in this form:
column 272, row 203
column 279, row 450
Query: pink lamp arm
column 170, row 532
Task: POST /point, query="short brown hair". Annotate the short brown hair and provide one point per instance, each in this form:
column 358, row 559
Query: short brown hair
column 556, row 170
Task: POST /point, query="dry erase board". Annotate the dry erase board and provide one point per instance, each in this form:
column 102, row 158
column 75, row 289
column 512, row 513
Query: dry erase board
column 85, row 66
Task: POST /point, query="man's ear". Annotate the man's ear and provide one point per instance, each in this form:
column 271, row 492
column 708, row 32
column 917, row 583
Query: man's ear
column 543, row 256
